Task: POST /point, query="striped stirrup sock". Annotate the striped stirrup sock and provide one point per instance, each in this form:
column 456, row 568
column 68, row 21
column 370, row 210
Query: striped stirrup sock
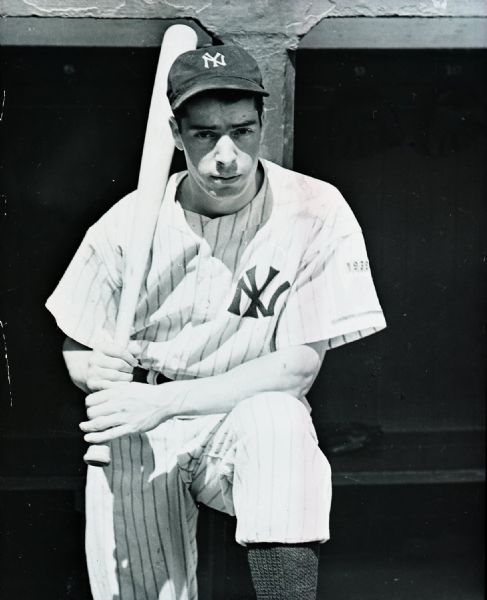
column 284, row 571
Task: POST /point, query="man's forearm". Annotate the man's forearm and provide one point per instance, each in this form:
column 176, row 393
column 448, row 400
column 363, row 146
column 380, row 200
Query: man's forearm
column 135, row 407
column 76, row 358
column 290, row 370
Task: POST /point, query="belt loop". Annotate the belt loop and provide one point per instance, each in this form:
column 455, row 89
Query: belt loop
column 152, row 377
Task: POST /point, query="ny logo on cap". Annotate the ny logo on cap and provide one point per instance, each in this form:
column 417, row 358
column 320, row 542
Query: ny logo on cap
column 217, row 61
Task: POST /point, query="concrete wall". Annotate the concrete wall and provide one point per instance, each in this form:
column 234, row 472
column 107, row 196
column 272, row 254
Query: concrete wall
column 269, row 29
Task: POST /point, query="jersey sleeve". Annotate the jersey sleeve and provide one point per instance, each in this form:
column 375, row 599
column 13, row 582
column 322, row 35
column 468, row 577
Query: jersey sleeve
column 85, row 302
column 333, row 298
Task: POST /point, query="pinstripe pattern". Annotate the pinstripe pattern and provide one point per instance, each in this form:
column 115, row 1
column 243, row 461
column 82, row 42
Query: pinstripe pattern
column 153, row 514
column 243, row 470
column 261, row 463
column 301, row 228
column 297, row 225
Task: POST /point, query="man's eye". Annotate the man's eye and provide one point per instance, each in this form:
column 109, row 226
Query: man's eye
column 243, row 131
column 204, row 135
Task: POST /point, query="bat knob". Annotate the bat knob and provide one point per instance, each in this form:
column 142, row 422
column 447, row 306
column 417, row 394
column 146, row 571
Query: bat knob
column 97, row 456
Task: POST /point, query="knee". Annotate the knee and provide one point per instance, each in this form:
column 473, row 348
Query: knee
column 275, row 414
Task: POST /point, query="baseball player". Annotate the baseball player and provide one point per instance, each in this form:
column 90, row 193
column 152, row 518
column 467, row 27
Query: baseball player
column 254, row 272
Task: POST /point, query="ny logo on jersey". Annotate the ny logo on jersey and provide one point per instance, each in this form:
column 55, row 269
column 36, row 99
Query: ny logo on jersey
column 253, row 293
column 217, row 61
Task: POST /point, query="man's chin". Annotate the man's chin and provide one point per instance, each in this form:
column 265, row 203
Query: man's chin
column 226, row 192
column 227, row 184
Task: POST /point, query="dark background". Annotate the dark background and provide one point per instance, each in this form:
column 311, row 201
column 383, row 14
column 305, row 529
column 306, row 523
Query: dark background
column 403, row 135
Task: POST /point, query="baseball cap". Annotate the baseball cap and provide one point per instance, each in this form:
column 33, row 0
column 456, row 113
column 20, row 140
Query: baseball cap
column 227, row 67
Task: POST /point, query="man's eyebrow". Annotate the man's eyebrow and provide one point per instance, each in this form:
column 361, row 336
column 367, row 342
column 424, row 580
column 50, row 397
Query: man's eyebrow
column 245, row 123
column 198, row 127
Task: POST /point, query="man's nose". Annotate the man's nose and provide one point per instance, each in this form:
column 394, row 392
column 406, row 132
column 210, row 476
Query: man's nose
column 225, row 152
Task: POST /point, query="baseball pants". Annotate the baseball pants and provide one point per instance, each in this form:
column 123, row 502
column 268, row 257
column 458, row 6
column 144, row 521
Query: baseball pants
column 261, row 462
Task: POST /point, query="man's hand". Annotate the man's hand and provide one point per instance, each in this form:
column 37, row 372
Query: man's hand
column 131, row 408
column 100, row 368
column 108, row 365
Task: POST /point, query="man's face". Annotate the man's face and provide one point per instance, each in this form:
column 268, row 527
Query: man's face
column 221, row 142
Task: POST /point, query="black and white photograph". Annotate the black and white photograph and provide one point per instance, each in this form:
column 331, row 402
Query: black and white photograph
column 243, row 299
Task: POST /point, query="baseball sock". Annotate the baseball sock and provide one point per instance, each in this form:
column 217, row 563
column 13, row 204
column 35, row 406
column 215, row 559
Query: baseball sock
column 284, row 571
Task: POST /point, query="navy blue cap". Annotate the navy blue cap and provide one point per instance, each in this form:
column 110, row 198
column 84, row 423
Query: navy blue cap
column 223, row 67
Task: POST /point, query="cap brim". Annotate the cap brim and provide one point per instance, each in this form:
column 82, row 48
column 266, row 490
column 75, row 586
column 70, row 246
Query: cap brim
column 219, row 83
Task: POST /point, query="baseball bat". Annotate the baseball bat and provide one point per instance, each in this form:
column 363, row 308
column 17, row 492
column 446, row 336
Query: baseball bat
column 153, row 175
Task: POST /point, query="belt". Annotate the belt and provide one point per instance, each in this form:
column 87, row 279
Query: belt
column 140, row 376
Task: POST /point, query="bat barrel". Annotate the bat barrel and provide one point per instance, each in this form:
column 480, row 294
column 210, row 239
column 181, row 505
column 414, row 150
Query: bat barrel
column 154, row 172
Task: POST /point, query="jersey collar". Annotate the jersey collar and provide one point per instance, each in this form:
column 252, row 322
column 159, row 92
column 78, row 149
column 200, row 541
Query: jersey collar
column 253, row 214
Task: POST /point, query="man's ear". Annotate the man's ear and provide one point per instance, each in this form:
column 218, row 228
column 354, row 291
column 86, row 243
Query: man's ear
column 262, row 124
column 175, row 133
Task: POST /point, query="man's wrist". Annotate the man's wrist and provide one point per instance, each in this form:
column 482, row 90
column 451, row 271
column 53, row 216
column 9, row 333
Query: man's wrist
column 175, row 398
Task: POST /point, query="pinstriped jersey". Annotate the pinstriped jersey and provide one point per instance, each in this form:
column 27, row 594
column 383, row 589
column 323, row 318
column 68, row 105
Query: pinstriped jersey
column 289, row 268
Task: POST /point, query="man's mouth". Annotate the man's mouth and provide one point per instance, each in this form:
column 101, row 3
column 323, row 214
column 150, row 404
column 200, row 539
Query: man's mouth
column 225, row 178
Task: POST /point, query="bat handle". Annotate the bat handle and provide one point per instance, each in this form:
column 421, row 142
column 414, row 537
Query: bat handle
column 97, row 455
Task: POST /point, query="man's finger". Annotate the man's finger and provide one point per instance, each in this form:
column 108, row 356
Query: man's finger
column 102, row 423
column 136, row 347
column 115, row 351
column 101, row 410
column 105, row 436
column 107, row 390
column 112, row 375
column 104, row 361
column 98, row 397
column 98, row 385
